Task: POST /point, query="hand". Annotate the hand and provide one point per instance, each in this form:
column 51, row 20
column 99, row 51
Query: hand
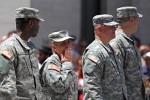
column 67, row 57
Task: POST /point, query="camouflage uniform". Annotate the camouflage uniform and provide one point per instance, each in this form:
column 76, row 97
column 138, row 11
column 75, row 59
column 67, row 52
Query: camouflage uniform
column 128, row 54
column 19, row 74
column 58, row 79
column 103, row 74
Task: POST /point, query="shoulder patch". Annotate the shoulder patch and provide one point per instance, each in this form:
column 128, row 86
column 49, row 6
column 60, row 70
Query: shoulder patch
column 94, row 58
column 53, row 67
column 7, row 54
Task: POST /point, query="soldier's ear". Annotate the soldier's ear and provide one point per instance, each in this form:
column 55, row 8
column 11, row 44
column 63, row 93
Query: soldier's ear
column 30, row 23
column 99, row 28
column 131, row 19
column 53, row 46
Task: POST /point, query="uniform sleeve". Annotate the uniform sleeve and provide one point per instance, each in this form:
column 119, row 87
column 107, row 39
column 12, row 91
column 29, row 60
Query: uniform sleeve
column 59, row 79
column 7, row 75
column 92, row 73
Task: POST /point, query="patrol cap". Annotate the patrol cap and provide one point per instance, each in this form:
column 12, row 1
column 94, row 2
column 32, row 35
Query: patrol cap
column 59, row 36
column 26, row 12
column 104, row 19
column 124, row 12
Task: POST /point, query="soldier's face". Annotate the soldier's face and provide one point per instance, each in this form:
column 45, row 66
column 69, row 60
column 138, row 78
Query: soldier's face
column 35, row 27
column 133, row 23
column 61, row 47
column 110, row 31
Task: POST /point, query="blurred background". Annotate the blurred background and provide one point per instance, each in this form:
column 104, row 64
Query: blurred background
column 73, row 15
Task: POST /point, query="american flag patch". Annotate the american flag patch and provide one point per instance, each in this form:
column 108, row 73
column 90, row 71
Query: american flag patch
column 54, row 67
column 93, row 58
column 7, row 54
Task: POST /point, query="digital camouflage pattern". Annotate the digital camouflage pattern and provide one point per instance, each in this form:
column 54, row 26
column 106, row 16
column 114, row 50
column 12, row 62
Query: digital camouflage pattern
column 125, row 12
column 59, row 80
column 59, row 36
column 129, row 56
column 104, row 19
column 19, row 74
column 26, row 12
column 102, row 73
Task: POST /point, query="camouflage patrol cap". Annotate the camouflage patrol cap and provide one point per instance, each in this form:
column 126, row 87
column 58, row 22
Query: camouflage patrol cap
column 26, row 12
column 104, row 19
column 59, row 36
column 124, row 12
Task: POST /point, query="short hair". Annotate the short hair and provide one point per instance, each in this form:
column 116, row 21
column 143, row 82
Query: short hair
column 21, row 22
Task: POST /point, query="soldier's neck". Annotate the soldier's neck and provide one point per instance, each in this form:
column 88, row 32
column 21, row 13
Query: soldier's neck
column 104, row 41
column 23, row 35
column 126, row 30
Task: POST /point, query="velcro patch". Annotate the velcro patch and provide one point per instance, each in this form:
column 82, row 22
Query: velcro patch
column 7, row 54
column 54, row 67
column 94, row 58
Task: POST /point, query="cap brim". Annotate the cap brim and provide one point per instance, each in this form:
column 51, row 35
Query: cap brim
column 41, row 19
column 113, row 23
column 62, row 39
column 140, row 15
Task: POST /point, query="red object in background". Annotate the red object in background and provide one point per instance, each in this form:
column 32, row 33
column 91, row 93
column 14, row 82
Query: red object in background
column 80, row 83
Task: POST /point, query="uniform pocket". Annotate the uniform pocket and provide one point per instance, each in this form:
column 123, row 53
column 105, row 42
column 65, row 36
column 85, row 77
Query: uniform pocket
column 24, row 65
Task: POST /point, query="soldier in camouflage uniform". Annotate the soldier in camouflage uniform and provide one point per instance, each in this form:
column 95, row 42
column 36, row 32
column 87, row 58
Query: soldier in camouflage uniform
column 19, row 74
column 58, row 78
column 126, row 50
column 102, row 70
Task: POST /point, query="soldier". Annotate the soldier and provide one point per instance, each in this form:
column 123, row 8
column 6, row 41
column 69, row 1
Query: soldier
column 102, row 71
column 19, row 74
column 126, row 50
column 58, row 78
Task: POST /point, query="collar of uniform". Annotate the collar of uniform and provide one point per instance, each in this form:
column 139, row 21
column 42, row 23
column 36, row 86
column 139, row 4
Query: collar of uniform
column 57, row 57
column 105, row 47
column 21, row 41
column 120, row 32
column 53, row 56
